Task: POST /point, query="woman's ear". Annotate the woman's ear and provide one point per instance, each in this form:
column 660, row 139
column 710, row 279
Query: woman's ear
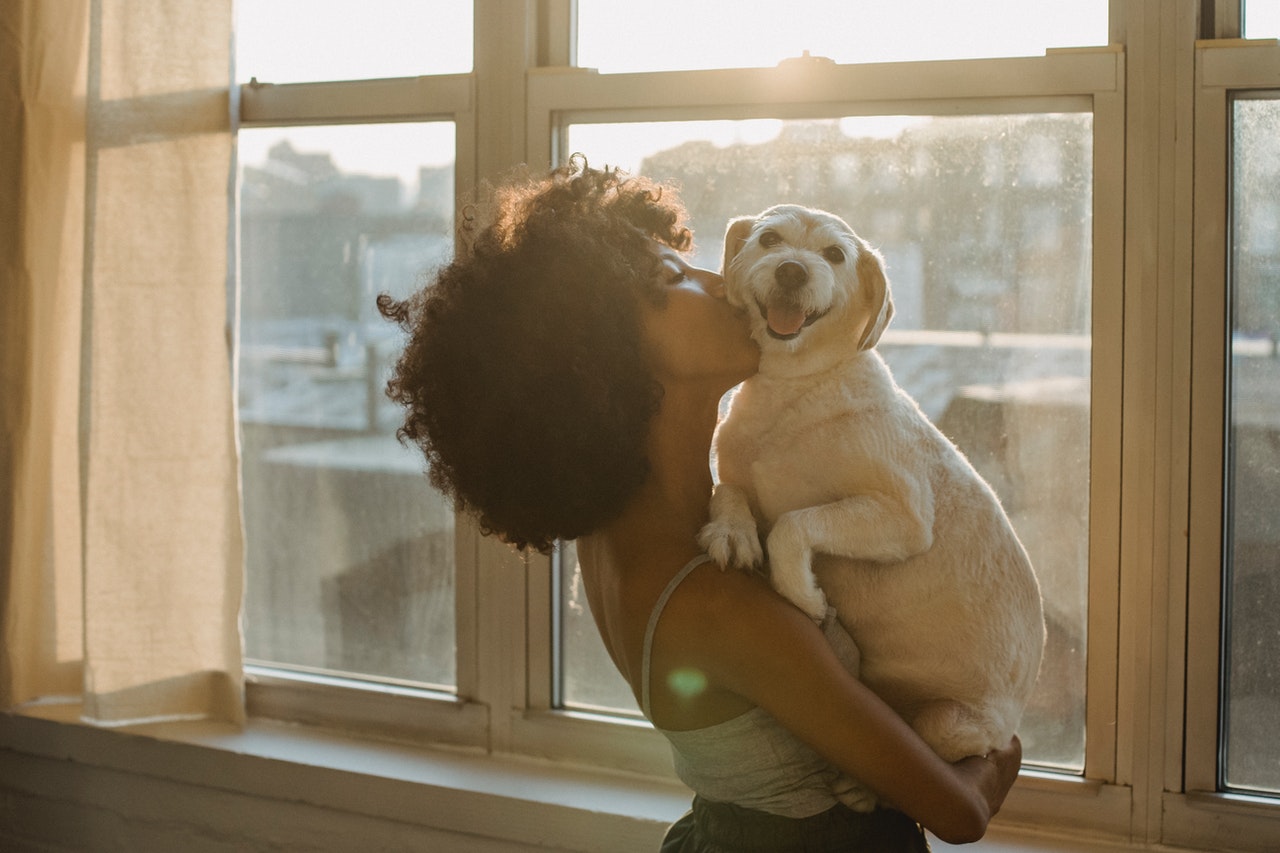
column 875, row 291
column 735, row 237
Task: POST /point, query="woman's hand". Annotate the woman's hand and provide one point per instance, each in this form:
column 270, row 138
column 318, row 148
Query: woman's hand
column 993, row 774
column 983, row 781
column 752, row 643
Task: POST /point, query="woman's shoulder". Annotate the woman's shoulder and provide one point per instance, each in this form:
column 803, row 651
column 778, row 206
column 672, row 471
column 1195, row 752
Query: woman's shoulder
column 728, row 621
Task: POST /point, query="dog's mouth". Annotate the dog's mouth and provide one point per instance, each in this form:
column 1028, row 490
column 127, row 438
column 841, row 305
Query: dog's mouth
column 784, row 321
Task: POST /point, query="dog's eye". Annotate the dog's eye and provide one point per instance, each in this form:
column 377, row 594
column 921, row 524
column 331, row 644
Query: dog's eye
column 834, row 254
column 769, row 239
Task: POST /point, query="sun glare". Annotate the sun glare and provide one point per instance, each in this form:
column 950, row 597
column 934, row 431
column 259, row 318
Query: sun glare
column 1262, row 19
column 284, row 41
column 295, row 41
column 624, row 35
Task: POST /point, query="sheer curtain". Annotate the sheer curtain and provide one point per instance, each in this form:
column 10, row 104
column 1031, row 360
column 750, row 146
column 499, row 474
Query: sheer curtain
column 120, row 541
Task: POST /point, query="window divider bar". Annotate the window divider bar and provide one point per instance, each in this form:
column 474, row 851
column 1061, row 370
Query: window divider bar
column 355, row 101
column 1227, row 62
column 1105, row 434
column 1058, row 73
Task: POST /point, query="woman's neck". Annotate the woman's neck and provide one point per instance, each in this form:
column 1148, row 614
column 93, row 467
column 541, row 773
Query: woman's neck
column 671, row 506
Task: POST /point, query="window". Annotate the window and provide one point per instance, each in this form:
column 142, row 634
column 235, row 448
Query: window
column 943, row 166
column 346, row 190
column 297, row 41
column 1044, row 226
column 1261, row 19
column 339, row 518
column 993, row 342
column 671, row 35
column 1251, row 666
column 1233, row 686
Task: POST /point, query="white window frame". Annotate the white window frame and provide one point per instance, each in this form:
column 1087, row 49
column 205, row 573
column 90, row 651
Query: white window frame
column 1200, row 814
column 380, row 709
column 1072, row 80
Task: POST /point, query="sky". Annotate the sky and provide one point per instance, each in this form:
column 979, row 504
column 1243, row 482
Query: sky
column 1262, row 19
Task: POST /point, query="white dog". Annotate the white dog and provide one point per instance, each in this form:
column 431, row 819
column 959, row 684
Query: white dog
column 858, row 495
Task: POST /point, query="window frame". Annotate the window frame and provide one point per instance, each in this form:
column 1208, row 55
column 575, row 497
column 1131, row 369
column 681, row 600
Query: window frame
column 1224, row 67
column 1070, row 80
column 380, row 709
column 1160, row 106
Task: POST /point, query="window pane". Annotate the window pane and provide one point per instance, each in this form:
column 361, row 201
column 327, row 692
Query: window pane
column 350, row 553
column 1252, row 623
column 985, row 223
column 666, row 35
column 295, row 41
column 588, row 678
column 1261, row 19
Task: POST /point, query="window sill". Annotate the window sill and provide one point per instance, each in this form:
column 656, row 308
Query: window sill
column 306, row 788
column 317, row 785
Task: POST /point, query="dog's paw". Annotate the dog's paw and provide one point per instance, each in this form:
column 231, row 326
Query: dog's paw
column 732, row 545
column 854, row 794
column 810, row 600
column 798, row 587
column 731, row 536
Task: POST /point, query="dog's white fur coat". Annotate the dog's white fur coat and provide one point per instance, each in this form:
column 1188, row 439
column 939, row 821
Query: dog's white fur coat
column 858, row 496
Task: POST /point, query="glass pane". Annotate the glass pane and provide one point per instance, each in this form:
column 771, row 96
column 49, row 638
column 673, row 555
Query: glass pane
column 1261, row 19
column 350, row 553
column 589, row 680
column 295, row 41
column 985, row 224
column 668, row 35
column 1252, row 623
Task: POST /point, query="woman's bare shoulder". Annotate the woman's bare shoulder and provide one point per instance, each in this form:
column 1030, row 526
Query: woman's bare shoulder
column 732, row 623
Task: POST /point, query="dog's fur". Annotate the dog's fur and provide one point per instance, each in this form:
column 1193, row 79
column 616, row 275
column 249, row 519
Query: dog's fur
column 824, row 457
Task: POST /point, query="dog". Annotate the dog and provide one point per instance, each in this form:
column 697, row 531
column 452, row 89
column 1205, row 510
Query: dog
column 862, row 502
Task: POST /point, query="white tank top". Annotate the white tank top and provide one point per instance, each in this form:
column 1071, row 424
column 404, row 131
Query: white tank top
column 750, row 760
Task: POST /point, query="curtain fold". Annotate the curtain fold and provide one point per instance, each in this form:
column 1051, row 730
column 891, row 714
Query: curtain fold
column 42, row 129
column 122, row 573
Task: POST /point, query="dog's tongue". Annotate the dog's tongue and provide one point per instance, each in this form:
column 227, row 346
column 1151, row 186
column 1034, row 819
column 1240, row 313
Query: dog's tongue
column 784, row 320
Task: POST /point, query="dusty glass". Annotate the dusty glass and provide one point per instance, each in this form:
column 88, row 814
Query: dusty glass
column 1251, row 689
column 985, row 223
column 350, row 564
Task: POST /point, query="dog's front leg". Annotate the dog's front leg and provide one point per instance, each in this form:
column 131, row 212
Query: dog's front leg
column 731, row 536
column 791, row 565
column 875, row 527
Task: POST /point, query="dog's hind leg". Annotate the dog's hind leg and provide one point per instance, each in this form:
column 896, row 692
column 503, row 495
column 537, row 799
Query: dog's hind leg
column 956, row 730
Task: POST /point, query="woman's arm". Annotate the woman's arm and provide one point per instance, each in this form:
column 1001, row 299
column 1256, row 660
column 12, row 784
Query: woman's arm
column 750, row 641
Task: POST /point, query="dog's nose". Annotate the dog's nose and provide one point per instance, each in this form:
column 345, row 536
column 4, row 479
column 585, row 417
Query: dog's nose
column 791, row 275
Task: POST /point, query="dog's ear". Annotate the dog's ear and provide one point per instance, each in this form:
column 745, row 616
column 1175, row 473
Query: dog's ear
column 735, row 237
column 875, row 290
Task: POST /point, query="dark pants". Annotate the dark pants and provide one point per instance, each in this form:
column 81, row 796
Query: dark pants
column 725, row 828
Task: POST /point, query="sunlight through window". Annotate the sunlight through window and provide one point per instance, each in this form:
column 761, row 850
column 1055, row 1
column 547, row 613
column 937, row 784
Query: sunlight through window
column 667, row 35
column 1261, row 19
column 292, row 41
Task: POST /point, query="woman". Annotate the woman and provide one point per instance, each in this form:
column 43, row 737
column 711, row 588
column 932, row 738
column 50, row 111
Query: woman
column 563, row 379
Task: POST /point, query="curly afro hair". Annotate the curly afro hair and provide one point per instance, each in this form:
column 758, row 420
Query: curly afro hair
column 524, row 379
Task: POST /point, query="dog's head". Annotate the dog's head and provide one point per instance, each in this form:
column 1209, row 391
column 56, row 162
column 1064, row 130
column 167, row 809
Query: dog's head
column 803, row 274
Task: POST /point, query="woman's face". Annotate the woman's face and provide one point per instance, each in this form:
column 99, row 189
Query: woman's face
column 696, row 334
